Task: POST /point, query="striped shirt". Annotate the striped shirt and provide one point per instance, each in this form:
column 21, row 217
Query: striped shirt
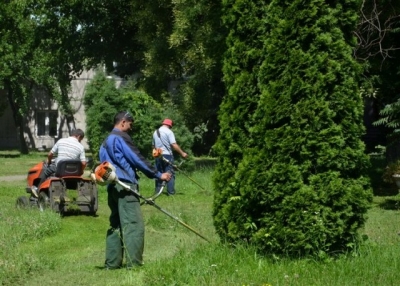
column 68, row 148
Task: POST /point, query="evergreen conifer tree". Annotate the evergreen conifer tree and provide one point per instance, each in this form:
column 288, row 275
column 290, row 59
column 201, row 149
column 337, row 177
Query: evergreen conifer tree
column 300, row 186
column 241, row 63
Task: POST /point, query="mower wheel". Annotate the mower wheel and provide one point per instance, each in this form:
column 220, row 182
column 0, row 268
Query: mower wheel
column 44, row 201
column 22, row 203
column 59, row 208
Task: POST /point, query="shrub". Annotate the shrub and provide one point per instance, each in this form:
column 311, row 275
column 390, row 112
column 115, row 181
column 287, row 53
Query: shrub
column 150, row 116
column 103, row 100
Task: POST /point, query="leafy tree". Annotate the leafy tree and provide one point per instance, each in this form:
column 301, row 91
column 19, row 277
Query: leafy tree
column 379, row 49
column 24, row 59
column 199, row 39
column 60, row 36
column 41, row 52
column 165, row 42
column 300, row 187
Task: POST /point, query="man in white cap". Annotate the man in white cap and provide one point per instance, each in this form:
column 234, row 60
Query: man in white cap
column 164, row 139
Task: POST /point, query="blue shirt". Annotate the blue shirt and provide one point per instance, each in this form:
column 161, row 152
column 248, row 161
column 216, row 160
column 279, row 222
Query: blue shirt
column 119, row 150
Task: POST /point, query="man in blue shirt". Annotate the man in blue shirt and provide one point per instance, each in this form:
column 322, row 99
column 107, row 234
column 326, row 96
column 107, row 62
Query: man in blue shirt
column 126, row 221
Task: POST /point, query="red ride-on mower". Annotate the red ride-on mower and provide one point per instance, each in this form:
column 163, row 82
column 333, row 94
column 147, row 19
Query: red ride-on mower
column 66, row 191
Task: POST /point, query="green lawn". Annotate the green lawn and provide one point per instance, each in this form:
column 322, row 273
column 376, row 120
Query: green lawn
column 40, row 248
column 12, row 163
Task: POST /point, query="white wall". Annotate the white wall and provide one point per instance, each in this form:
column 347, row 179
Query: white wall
column 8, row 133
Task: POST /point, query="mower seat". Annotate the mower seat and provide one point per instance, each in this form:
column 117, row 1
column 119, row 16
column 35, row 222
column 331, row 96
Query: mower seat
column 69, row 168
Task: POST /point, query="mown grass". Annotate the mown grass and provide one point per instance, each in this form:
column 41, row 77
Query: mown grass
column 40, row 248
column 13, row 163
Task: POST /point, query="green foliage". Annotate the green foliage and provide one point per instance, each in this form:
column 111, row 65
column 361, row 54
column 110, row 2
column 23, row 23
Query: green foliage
column 103, row 100
column 391, row 117
column 151, row 119
column 198, row 37
column 380, row 53
column 175, row 45
column 241, row 64
column 297, row 184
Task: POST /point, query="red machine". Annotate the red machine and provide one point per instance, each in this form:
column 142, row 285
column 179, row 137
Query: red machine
column 66, row 191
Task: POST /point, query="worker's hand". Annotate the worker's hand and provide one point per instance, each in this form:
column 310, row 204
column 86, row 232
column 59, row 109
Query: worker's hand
column 165, row 177
column 184, row 155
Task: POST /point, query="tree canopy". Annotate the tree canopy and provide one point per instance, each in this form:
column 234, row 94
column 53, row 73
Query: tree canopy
column 26, row 60
column 175, row 47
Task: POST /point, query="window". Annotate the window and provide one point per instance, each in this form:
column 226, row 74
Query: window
column 46, row 122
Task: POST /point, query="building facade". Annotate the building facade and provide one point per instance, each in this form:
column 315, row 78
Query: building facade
column 45, row 123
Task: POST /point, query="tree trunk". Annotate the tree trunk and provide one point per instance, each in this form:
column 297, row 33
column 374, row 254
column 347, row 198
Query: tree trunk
column 23, row 147
column 18, row 119
column 70, row 122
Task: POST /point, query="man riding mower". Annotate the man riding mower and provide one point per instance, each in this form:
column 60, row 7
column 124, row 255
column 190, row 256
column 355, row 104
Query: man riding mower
column 65, row 191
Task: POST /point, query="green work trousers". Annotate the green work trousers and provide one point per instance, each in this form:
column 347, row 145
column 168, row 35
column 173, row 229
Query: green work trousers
column 126, row 228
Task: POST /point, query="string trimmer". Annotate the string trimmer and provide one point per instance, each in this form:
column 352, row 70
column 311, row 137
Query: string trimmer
column 105, row 174
column 180, row 170
column 158, row 154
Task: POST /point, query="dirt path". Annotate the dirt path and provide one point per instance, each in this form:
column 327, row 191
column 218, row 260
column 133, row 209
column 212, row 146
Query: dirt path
column 12, row 178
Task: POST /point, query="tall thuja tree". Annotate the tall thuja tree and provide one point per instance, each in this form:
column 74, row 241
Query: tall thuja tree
column 245, row 23
column 301, row 187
